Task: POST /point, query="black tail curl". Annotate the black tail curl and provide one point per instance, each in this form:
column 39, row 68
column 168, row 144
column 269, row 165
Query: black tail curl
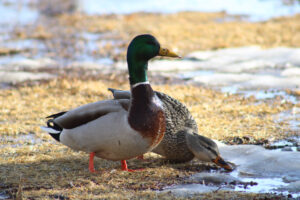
column 53, row 125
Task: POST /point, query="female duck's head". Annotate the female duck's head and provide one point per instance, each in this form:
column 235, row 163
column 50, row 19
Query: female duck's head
column 141, row 49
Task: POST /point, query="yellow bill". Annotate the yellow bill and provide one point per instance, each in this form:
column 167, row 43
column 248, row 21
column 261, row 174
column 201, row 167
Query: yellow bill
column 166, row 52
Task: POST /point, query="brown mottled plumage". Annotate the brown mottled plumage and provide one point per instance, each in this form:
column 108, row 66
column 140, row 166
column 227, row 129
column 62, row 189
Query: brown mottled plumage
column 178, row 120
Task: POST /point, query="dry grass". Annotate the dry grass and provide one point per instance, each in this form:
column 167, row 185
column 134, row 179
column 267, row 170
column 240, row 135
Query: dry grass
column 190, row 31
column 45, row 169
column 218, row 115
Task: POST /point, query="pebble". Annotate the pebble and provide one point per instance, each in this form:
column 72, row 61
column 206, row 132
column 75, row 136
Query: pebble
column 287, row 149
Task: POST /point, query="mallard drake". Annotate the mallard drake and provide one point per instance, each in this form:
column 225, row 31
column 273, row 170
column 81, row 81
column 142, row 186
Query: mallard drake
column 181, row 143
column 118, row 129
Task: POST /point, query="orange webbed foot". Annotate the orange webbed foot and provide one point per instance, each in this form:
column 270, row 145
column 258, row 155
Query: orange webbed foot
column 125, row 168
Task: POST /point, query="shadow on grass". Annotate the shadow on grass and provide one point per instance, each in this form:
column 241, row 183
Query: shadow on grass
column 70, row 172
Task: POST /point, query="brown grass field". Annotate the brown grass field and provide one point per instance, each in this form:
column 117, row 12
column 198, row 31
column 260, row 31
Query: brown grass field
column 45, row 169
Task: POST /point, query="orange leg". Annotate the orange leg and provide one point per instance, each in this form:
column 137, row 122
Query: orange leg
column 91, row 163
column 125, row 168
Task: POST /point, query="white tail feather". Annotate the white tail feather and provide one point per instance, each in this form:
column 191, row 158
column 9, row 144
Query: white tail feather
column 50, row 130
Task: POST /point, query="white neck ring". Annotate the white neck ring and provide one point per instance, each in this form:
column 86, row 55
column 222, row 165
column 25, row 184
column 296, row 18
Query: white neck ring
column 140, row 83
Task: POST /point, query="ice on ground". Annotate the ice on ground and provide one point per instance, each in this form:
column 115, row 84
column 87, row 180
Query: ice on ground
column 257, row 57
column 24, row 69
column 214, row 178
column 294, row 71
column 258, row 170
column 15, row 77
column 248, row 81
column 28, row 64
column 257, row 162
column 268, row 81
column 243, row 68
column 293, row 187
column 234, row 60
column 190, row 189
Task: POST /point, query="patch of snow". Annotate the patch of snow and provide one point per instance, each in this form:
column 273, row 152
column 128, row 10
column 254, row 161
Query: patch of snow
column 267, row 170
column 190, row 189
column 28, row 64
column 294, row 71
column 293, row 187
column 15, row 77
column 214, row 178
column 256, row 161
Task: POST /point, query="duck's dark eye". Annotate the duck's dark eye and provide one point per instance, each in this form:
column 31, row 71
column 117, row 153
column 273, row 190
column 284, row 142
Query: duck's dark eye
column 151, row 43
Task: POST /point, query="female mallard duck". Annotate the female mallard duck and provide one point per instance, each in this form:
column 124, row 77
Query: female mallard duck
column 181, row 143
column 118, row 129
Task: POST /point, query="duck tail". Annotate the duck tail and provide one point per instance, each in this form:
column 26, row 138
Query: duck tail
column 53, row 129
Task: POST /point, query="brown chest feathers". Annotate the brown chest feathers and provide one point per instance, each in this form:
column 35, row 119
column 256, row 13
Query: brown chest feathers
column 146, row 115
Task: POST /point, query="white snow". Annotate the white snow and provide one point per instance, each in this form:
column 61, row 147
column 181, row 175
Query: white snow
column 15, row 77
column 273, row 171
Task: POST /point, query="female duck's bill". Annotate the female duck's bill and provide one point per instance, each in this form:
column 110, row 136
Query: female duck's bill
column 222, row 163
column 108, row 129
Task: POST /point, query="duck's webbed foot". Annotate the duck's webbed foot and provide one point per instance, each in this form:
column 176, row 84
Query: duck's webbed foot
column 125, row 168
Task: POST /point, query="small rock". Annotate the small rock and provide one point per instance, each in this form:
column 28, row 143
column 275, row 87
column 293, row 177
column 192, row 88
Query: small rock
column 237, row 140
column 246, row 138
column 287, row 149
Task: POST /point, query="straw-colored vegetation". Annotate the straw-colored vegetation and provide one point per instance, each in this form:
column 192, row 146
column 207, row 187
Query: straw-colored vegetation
column 45, row 169
column 34, row 166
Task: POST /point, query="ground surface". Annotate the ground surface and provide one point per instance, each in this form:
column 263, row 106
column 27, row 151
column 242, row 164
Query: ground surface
column 40, row 168
column 47, row 169
column 184, row 32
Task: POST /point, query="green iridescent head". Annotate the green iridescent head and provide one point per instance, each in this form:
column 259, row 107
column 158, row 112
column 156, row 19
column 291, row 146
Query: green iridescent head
column 141, row 49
